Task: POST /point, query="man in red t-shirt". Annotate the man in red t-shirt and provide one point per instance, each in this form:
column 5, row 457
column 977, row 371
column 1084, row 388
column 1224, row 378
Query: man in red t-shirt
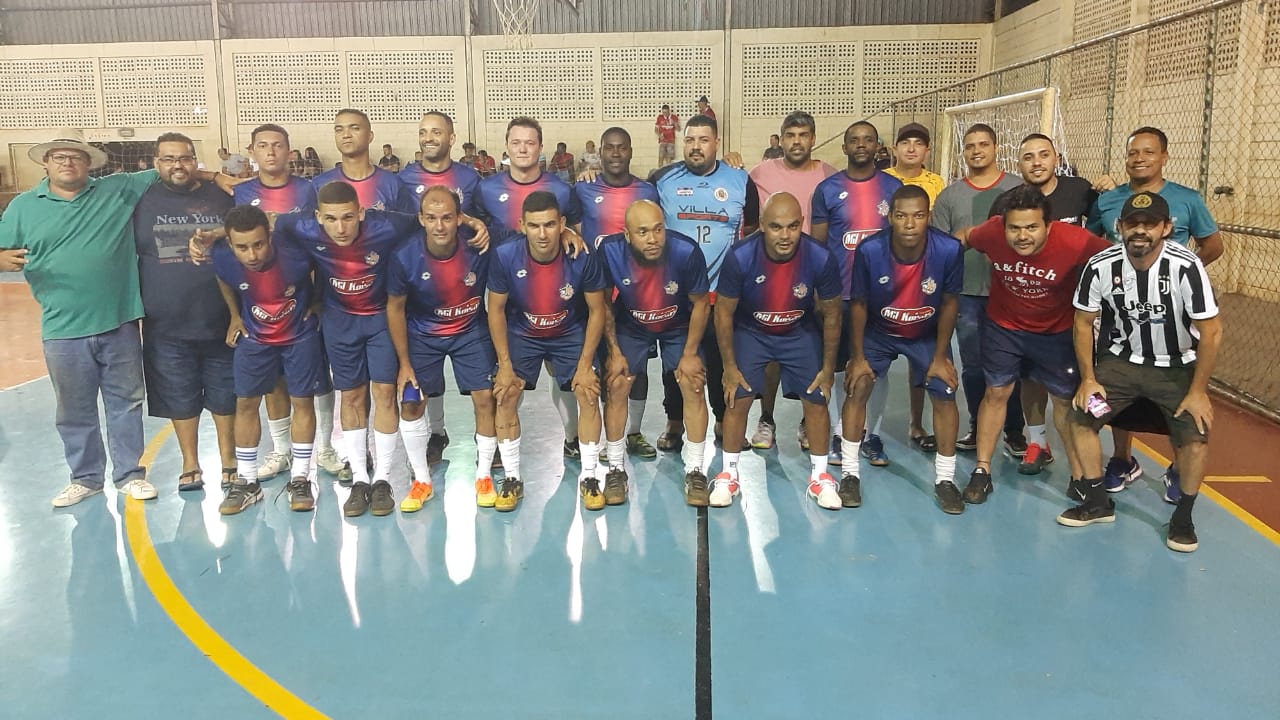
column 665, row 128
column 1035, row 265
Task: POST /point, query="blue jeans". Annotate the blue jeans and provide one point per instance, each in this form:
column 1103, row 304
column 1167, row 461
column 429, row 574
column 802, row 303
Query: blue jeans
column 109, row 364
column 973, row 312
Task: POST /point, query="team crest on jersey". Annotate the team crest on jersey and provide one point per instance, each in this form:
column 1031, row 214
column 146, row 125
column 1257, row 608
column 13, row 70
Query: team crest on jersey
column 354, row 286
column 426, row 276
column 261, row 315
column 778, row 319
column 1163, row 280
column 289, row 291
column 372, row 258
column 801, row 291
column 469, row 279
column 928, row 286
column 244, row 286
column 684, row 192
column 521, row 273
column 759, row 279
column 650, row 317
column 464, row 309
column 379, row 205
column 503, row 197
column 883, row 208
column 671, row 288
column 906, row 316
column 843, row 194
column 599, row 199
column 720, row 194
column 546, row 321
column 566, row 292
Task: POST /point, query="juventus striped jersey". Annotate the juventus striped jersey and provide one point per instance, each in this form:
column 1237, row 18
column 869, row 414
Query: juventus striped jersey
column 1147, row 315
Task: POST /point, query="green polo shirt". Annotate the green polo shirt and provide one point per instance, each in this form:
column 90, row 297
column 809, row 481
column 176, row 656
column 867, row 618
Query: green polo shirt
column 82, row 263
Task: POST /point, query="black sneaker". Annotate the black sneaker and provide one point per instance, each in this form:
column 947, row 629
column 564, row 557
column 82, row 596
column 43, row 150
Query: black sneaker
column 615, row 487
column 358, row 501
column 1086, row 514
column 979, row 487
column 380, row 501
column 968, row 443
column 850, row 491
column 1015, row 445
column 1182, row 538
column 697, row 491
column 435, row 447
column 300, row 497
column 572, row 449
column 510, row 492
column 1077, row 490
column 948, row 496
column 240, row 496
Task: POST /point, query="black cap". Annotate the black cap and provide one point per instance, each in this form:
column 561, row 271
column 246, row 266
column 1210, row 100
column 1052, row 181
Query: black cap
column 1149, row 204
column 703, row 99
column 915, row 130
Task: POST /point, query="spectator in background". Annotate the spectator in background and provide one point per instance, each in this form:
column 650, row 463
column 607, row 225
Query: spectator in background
column 774, row 151
column 665, row 128
column 883, row 161
column 297, row 166
column 311, row 163
column 417, row 157
column 704, row 107
column 485, row 164
column 562, row 163
column 233, row 165
column 469, row 157
column 389, row 161
column 590, row 159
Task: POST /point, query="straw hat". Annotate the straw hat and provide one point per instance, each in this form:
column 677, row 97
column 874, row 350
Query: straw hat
column 69, row 139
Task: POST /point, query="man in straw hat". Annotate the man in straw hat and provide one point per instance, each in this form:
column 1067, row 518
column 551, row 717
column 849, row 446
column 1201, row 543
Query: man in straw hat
column 72, row 236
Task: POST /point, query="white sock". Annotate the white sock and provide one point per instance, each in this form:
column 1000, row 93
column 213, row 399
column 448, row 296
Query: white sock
column 357, row 440
column 324, row 422
column 486, row 446
column 415, row 435
column 694, row 454
column 590, row 457
column 247, row 463
column 1035, row 434
column 435, row 414
column 510, row 450
column 876, row 404
column 280, row 439
column 945, row 467
column 730, row 462
column 567, row 406
column 849, row 450
column 635, row 413
column 817, row 465
column 385, row 445
column 835, row 405
column 301, row 460
column 617, row 450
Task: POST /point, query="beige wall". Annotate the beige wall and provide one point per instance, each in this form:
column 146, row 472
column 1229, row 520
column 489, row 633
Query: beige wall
column 1035, row 30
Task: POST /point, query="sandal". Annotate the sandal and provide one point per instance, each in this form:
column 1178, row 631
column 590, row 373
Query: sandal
column 670, row 442
column 195, row 482
column 927, row 443
column 228, row 478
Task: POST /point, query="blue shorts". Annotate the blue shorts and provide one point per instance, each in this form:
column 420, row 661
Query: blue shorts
column 359, row 349
column 186, row 376
column 258, row 366
column 1008, row 355
column 798, row 354
column 470, row 353
column 528, row 354
column 881, row 350
column 638, row 347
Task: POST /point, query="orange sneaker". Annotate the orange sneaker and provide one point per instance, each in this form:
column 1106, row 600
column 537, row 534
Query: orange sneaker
column 419, row 494
column 486, row 496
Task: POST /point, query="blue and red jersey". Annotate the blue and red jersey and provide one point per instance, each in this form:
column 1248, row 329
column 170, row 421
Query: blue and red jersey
column 380, row 191
column 654, row 298
column 853, row 210
column 544, row 300
column 275, row 300
column 501, row 198
column 604, row 207
column 459, row 178
column 442, row 297
column 904, row 299
column 297, row 195
column 354, row 277
column 777, row 298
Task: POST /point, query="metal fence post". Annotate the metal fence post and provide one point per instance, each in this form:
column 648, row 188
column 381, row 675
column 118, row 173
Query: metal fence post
column 1206, row 128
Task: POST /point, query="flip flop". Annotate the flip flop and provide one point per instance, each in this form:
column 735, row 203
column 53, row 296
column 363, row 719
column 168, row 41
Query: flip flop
column 927, row 443
column 669, row 442
column 228, row 478
column 195, row 482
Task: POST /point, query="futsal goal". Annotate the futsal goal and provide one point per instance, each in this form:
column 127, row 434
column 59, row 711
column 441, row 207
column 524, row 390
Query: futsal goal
column 1013, row 117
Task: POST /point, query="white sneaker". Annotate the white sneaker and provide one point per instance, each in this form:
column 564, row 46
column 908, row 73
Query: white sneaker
column 329, row 461
column 274, row 464
column 139, row 489
column 723, row 488
column 73, row 494
column 763, row 437
column 825, row 491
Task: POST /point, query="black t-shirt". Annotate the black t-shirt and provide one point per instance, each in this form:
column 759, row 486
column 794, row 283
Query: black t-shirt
column 387, row 161
column 181, row 299
column 1070, row 202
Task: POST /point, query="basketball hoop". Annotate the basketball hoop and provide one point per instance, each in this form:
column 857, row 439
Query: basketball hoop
column 517, row 21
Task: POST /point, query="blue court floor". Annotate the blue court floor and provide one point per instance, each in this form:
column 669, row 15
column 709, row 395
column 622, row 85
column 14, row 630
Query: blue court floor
column 115, row 609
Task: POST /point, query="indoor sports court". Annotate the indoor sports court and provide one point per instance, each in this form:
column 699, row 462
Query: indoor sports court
column 770, row 608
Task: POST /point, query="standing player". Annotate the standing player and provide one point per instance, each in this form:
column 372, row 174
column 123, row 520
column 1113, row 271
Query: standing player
column 910, row 154
column 377, row 187
column 1035, row 265
column 545, row 307
column 435, row 309
column 849, row 207
column 661, row 282
column 275, row 332
column 779, row 301
column 716, row 205
column 1159, row 340
column 665, row 128
column 906, row 283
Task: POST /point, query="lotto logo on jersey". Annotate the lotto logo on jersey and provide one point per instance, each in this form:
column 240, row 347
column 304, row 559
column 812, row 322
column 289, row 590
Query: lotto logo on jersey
column 354, row 286
column 778, row 319
column 650, row 317
column 543, row 322
column 467, row 308
column 853, row 237
column 907, row 316
column 262, row 315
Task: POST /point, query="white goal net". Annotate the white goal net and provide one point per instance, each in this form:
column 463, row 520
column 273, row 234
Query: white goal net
column 1013, row 117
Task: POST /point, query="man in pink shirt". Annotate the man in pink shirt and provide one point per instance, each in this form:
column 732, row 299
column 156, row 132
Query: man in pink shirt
column 665, row 128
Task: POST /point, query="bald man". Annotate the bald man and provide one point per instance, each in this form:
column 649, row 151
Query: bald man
column 660, row 277
column 778, row 300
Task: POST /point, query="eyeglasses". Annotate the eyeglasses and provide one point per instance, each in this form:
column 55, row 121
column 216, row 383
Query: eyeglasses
column 179, row 160
column 69, row 159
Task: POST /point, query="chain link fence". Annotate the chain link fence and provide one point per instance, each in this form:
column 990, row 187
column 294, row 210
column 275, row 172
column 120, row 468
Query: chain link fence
column 1210, row 79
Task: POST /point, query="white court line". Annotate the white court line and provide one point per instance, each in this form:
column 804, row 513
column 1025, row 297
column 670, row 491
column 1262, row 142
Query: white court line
column 24, row 384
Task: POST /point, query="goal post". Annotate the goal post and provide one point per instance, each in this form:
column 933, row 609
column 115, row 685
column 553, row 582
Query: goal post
column 1013, row 117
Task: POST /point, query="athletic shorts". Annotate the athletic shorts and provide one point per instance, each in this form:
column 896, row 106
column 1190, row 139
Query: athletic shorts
column 638, row 347
column 1126, row 383
column 1010, row 355
column 562, row 353
column 187, row 376
column 471, row 355
column 881, row 350
column 303, row 364
column 798, row 354
column 359, row 349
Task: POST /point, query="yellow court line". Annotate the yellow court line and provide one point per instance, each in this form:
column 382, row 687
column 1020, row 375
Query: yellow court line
column 205, row 638
column 1227, row 504
column 1237, row 479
